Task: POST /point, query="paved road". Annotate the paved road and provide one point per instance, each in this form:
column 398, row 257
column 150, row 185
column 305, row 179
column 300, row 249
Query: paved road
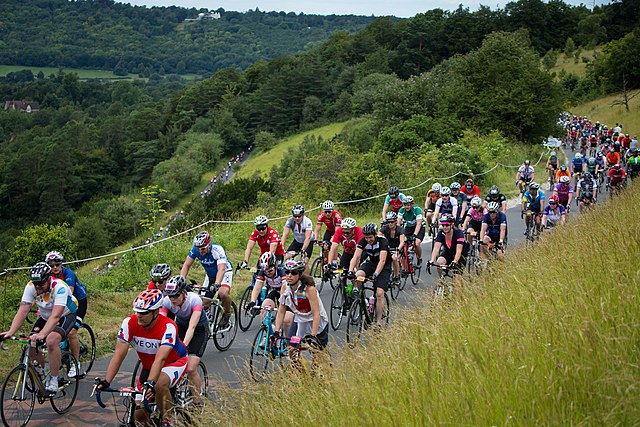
column 230, row 366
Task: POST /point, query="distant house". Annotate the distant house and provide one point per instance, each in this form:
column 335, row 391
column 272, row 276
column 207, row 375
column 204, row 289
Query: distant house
column 204, row 16
column 26, row 106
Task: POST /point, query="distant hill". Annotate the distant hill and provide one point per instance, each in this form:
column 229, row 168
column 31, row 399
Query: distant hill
column 103, row 34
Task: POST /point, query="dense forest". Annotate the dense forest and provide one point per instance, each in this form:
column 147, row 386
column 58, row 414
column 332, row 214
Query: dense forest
column 427, row 88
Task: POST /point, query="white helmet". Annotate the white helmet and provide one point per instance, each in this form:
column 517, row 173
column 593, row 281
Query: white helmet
column 476, row 201
column 436, row 187
column 564, row 179
column 578, row 156
column 445, row 191
column 327, row 205
column 348, row 223
column 261, row 220
column 493, row 206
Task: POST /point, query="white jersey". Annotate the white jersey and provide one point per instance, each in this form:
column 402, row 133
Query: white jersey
column 298, row 303
column 526, row 171
column 300, row 230
column 59, row 295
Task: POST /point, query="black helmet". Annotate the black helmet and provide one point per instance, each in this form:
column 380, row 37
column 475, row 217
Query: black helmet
column 494, row 191
column 40, row 272
column 587, row 175
column 175, row 285
column 394, row 191
column 369, row 228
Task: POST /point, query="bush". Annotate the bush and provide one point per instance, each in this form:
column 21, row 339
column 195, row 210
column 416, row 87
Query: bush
column 33, row 244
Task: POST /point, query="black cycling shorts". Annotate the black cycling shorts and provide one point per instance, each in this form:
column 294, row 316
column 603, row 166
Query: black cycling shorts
column 199, row 341
column 297, row 247
column 419, row 236
column 328, row 234
column 64, row 326
column 382, row 281
column 475, row 225
column 345, row 260
column 274, row 294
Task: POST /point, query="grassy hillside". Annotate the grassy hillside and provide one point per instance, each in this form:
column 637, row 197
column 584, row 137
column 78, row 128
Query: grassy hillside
column 550, row 338
column 570, row 65
column 601, row 109
column 82, row 74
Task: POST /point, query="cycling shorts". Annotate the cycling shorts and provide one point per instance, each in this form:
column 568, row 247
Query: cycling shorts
column 227, row 281
column 198, row 343
column 64, row 326
column 81, row 312
column 431, row 207
column 302, row 329
column 174, row 371
column 475, row 225
column 297, row 247
column 419, row 236
column 345, row 260
column 328, row 234
column 449, row 259
column 495, row 237
column 274, row 295
column 382, row 281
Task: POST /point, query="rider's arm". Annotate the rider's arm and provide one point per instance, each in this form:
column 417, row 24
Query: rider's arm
column 257, row 287
column 403, row 239
column 307, row 240
column 159, row 361
column 282, row 309
column 483, row 231
column 285, row 234
column 383, row 259
column 122, row 347
column 52, row 321
column 312, row 297
column 247, row 252
column 355, row 260
column 222, row 268
column 193, row 322
column 19, row 318
column 436, row 251
column 333, row 252
column 317, row 231
column 188, row 262
column 385, row 208
column 503, row 232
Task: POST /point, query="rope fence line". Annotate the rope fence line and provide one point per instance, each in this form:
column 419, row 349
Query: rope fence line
column 218, row 221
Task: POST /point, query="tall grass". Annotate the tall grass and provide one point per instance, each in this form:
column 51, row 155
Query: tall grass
column 602, row 110
column 549, row 338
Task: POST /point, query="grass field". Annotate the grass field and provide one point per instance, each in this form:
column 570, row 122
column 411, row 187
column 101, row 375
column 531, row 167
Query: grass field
column 569, row 64
column 602, row 110
column 82, row 74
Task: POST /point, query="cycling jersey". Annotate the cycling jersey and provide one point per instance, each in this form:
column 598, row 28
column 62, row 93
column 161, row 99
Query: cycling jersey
column 554, row 215
column 553, row 162
column 634, row 164
column 563, row 191
column 560, row 174
column 577, row 164
column 586, row 186
column 210, row 261
column 447, row 208
column 299, row 230
column 69, row 277
column 265, row 241
column 411, row 217
column 461, row 198
column 274, row 282
column 59, row 295
column 493, row 227
column 475, row 215
column 331, row 221
column 449, row 247
column 192, row 303
column 396, row 203
column 349, row 244
column 613, row 157
column 394, row 241
column 147, row 342
column 592, row 168
column 617, row 176
column 373, row 250
column 298, row 302
column 500, row 199
column 433, row 198
column 535, row 204
column 600, row 162
column 526, row 172
column 470, row 192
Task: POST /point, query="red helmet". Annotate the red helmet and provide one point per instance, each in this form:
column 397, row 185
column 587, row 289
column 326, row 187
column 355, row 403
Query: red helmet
column 554, row 199
column 147, row 300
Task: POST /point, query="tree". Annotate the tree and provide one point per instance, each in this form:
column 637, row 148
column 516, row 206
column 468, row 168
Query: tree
column 264, row 140
column 154, row 201
column 312, row 111
column 569, row 47
column 36, row 241
column 550, row 59
column 89, row 237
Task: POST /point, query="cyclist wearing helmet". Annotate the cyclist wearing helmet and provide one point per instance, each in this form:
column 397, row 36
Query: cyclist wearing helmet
column 554, row 214
column 267, row 238
column 593, row 144
column 159, row 275
column 470, row 189
column 377, row 266
column 219, row 276
column 578, row 166
column 494, row 228
column 450, row 248
column 446, row 204
column 564, row 191
column 394, row 200
column 193, row 328
column 616, row 177
column 633, row 163
column 396, row 238
column 433, row 195
column 299, row 294
column 552, row 166
column 272, row 275
column 329, row 217
column 586, row 191
column 462, row 201
column 473, row 218
column 496, row 196
column 79, row 291
column 533, row 204
column 162, row 353
column 613, row 158
column 57, row 307
column 526, row 173
column 302, row 228
column 348, row 235
column 410, row 217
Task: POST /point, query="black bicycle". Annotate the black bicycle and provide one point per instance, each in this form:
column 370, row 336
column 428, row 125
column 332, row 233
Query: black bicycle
column 362, row 313
column 341, row 299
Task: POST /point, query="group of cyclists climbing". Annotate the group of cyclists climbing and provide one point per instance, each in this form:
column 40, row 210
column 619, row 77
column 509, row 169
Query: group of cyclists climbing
column 169, row 328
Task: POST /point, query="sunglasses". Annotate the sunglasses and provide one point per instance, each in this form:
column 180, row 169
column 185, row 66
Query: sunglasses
column 446, row 225
column 297, row 216
column 393, row 197
column 493, row 212
column 392, row 221
column 292, row 272
column 552, row 203
column 156, row 281
column 261, row 228
column 55, row 264
column 328, row 212
column 38, row 284
column 175, row 296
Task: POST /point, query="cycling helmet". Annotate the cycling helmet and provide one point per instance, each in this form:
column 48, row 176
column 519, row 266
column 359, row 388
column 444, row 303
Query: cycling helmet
column 348, row 223
column 294, row 265
column 534, row 185
column 554, row 199
column 161, row 271
column 607, row 141
column 446, row 191
column 175, row 285
column 408, row 199
column 469, row 183
column 616, row 166
column 327, row 205
column 147, row 300
column 494, row 191
column 627, row 135
column 53, row 256
column 446, row 219
column 552, row 154
column 261, row 220
column 592, row 161
column 599, row 154
column 563, row 168
column 493, row 206
column 267, row 260
column 202, row 239
column 578, row 156
column 391, row 216
column 394, row 191
column 616, row 143
column 476, row 201
column 587, row 175
column 40, row 272
column 564, row 179
column 297, row 210
column 369, row 228
column 436, row 187
column 455, row 186
column 527, row 162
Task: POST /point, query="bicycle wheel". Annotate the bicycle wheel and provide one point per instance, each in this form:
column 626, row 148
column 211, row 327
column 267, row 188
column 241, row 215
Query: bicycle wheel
column 404, row 270
column 337, row 308
column 415, row 274
column 394, row 289
column 386, row 312
column 67, row 387
column 223, row 338
column 264, row 358
column 87, row 347
column 355, row 323
column 317, row 273
column 245, row 317
column 18, row 397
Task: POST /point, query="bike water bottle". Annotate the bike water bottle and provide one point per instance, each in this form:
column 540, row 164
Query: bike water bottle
column 38, row 369
column 63, row 345
column 372, row 301
column 349, row 290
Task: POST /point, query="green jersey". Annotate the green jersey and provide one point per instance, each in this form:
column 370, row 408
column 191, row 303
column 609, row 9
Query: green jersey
column 633, row 162
column 411, row 217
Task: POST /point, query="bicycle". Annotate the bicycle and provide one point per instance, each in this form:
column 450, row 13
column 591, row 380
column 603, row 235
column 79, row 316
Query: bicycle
column 245, row 317
column 129, row 395
column 473, row 259
column 341, row 300
column 26, row 383
column 362, row 313
column 395, row 283
column 407, row 267
column 531, row 232
column 319, row 271
column 222, row 337
column 440, row 288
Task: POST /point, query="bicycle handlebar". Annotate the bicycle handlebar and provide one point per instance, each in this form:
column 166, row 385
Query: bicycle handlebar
column 132, row 392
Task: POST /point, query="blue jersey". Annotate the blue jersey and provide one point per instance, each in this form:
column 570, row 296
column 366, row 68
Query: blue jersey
column 532, row 203
column 215, row 256
column 70, row 278
column 577, row 164
column 493, row 228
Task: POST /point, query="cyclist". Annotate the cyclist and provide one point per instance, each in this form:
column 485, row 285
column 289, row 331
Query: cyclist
column 493, row 230
column 267, row 238
column 586, row 191
column 496, row 196
column 162, row 353
column 79, row 291
column 470, row 189
column 526, row 173
column 159, row 275
column 299, row 294
column 592, row 166
column 462, row 199
column 430, row 202
column 563, row 171
column 193, row 328
column 552, row 166
column 303, row 237
column 613, row 158
column 450, row 248
column 329, row 217
column 616, row 177
column 473, row 218
column 633, row 164
column 564, row 191
column 446, row 204
column 214, row 260
column 533, row 204
column 410, row 217
column 272, row 275
column 57, row 307
column 554, row 213
column 578, row 166
column 396, row 238
column 348, row 235
column 593, row 144
column 394, row 200
column 377, row 266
